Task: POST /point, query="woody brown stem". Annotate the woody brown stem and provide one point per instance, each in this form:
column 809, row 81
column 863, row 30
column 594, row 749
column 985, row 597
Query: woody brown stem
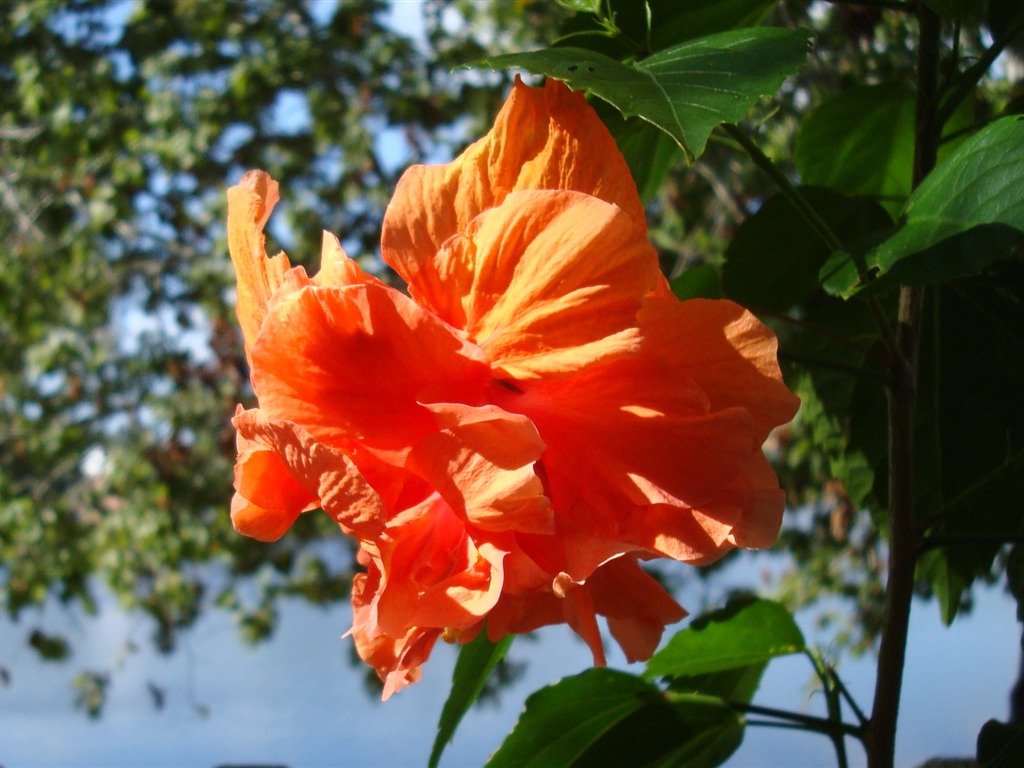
column 904, row 537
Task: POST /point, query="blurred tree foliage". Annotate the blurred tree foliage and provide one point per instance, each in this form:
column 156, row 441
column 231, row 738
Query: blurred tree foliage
column 122, row 122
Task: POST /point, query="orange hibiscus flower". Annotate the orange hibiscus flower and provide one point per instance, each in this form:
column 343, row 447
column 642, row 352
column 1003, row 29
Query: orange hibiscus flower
column 539, row 414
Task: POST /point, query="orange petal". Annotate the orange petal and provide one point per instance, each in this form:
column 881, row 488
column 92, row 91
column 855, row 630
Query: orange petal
column 267, row 498
column 726, row 351
column 434, row 574
column 761, row 502
column 746, row 513
column 354, row 363
column 327, row 475
column 481, row 462
column 580, row 614
column 543, row 138
column 626, row 434
column 336, row 268
column 637, row 607
column 249, row 205
column 545, row 283
column 679, row 532
column 260, row 475
column 396, row 660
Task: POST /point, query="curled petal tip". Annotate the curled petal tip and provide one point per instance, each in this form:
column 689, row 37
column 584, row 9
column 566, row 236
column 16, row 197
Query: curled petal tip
column 266, row 190
column 250, row 204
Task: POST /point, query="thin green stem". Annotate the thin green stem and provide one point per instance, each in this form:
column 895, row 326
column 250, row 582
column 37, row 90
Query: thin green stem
column 808, row 722
column 805, row 209
column 841, row 687
column 834, row 706
column 813, row 219
column 754, row 723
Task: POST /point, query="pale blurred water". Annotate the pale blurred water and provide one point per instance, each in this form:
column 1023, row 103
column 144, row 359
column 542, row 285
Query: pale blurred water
column 298, row 701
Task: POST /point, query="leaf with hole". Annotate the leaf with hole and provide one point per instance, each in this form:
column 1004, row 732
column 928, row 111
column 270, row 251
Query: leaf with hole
column 685, row 90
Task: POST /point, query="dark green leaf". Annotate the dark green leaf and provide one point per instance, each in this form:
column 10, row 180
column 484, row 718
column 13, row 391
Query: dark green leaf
column 698, row 283
column 685, row 90
column 649, row 152
column 475, row 663
column 954, row 9
column 644, row 27
column 1001, row 745
column 747, row 631
column 605, row 717
column 718, row 732
column 977, row 185
column 677, row 21
column 970, row 476
column 774, row 258
column 1015, row 577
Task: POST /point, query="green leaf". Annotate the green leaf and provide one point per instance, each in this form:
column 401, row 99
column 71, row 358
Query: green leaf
column 954, row 9
column 1001, row 745
column 773, row 260
column 772, row 265
column 649, row 152
column 677, row 21
column 606, row 717
column 945, row 581
column 976, row 187
column 476, row 661
column 685, row 90
column 643, row 27
column 861, row 142
column 970, row 473
column 582, row 6
column 747, row 631
column 718, row 732
column 738, row 684
column 697, row 283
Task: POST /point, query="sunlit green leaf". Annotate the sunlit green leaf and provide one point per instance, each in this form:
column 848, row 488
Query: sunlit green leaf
column 605, row 717
column 685, row 90
column 745, row 632
column 582, row 6
column 861, row 142
column 976, row 187
column 476, row 661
